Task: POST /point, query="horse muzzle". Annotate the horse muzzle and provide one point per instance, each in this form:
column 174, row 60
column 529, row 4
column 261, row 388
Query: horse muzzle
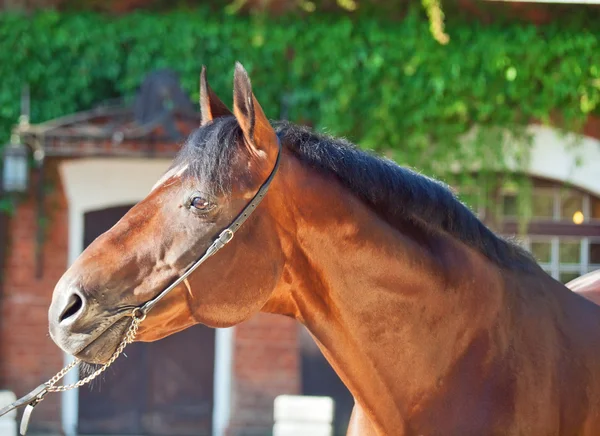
column 81, row 328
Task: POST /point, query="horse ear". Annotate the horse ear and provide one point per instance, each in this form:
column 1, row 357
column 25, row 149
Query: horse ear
column 260, row 138
column 211, row 106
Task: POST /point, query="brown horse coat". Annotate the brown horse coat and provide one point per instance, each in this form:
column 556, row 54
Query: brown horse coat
column 436, row 325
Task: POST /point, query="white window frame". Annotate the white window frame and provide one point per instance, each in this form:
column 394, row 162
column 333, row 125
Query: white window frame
column 554, row 268
column 586, row 206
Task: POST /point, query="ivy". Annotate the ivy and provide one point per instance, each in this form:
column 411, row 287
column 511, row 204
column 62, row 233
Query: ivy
column 386, row 85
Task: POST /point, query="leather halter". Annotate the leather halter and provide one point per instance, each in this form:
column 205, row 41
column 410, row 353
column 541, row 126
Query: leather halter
column 34, row 397
column 224, row 238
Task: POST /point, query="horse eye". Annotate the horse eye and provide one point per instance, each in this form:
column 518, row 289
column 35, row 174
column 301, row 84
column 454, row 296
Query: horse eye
column 201, row 204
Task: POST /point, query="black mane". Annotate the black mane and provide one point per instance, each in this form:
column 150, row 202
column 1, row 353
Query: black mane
column 397, row 194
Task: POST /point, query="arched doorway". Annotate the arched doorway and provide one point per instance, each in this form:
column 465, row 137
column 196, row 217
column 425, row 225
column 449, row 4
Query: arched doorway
column 164, row 388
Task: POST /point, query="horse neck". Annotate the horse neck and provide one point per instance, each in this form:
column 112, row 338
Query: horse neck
column 392, row 317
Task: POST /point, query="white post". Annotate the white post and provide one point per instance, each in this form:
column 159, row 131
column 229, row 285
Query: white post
column 8, row 422
column 301, row 415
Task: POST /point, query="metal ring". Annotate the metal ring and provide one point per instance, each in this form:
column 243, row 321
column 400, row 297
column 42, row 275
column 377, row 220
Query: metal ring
column 138, row 314
column 226, row 236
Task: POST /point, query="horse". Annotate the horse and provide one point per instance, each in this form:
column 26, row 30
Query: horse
column 436, row 325
column 588, row 286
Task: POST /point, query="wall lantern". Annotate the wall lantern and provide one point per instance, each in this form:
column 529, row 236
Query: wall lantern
column 15, row 155
column 15, row 174
column 15, row 169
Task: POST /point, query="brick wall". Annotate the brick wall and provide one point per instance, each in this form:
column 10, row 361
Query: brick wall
column 28, row 356
column 265, row 365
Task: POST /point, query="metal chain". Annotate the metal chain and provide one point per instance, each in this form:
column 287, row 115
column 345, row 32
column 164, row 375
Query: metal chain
column 62, row 373
column 128, row 339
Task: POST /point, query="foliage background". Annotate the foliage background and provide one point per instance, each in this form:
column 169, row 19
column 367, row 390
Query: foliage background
column 383, row 82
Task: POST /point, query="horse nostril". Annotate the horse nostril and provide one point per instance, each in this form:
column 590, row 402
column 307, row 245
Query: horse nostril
column 74, row 305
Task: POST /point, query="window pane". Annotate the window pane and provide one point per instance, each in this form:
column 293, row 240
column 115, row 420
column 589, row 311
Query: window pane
column 595, row 208
column 543, row 204
column 542, row 251
column 571, row 202
column 569, row 252
column 594, row 256
column 509, row 205
column 567, row 276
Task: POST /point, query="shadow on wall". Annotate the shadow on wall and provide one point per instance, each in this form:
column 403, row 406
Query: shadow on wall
column 319, row 378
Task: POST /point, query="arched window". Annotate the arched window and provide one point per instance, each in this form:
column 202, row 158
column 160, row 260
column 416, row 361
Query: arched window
column 563, row 232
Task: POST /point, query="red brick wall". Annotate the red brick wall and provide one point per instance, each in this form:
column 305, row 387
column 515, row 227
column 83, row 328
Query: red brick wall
column 28, row 356
column 265, row 365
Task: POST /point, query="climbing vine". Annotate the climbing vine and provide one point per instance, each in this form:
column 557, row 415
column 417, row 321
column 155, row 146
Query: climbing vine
column 386, row 85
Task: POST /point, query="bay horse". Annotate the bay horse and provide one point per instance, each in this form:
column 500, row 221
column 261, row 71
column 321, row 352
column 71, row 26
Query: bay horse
column 436, row 325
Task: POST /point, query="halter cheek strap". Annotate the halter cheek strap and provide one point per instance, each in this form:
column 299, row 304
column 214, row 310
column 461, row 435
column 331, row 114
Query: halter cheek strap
column 224, row 238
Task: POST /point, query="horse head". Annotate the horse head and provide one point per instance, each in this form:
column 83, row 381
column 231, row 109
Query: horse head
column 216, row 173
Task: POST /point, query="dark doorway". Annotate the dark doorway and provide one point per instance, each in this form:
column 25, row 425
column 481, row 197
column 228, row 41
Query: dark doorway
column 163, row 388
column 319, row 378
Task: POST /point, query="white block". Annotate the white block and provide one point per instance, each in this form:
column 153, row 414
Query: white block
column 303, row 408
column 8, row 423
column 302, row 429
column 8, row 428
column 7, row 397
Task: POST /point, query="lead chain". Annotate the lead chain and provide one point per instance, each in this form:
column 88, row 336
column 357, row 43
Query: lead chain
column 128, row 339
